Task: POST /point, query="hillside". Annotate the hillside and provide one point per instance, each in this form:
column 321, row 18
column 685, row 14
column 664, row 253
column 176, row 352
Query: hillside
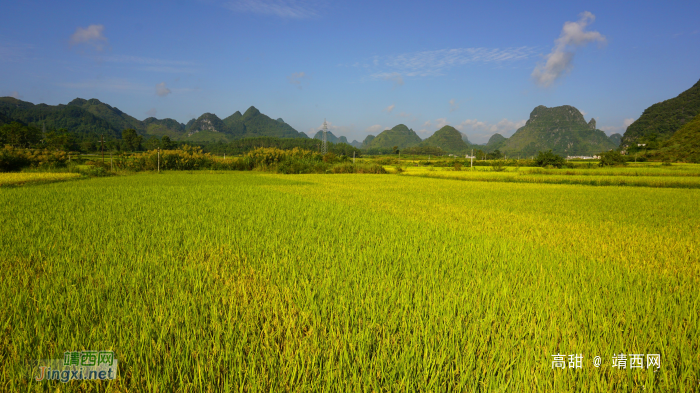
column 448, row 139
column 73, row 118
column 112, row 115
column 257, row 124
column 366, row 142
column 400, row 136
column 615, row 139
column 561, row 129
column 496, row 142
column 662, row 119
column 160, row 128
column 207, row 122
column 88, row 119
column 684, row 145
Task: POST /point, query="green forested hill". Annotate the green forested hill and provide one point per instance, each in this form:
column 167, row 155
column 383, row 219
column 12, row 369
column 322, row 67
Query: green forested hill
column 331, row 137
column 73, row 118
column 400, row 136
column 368, row 139
column 448, row 139
column 496, row 142
column 162, row 127
column 92, row 118
column 561, row 129
column 207, row 122
column 615, row 139
column 662, row 119
column 258, row 124
column 684, row 145
column 116, row 118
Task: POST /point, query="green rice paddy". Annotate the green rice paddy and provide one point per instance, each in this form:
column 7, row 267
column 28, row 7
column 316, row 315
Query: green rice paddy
column 244, row 281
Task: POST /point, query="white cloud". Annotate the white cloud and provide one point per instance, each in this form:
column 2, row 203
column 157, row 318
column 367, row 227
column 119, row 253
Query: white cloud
column 559, row 61
column 92, row 36
column 454, row 105
column 618, row 129
column 151, row 112
column 389, row 108
column 293, row 9
column 480, row 131
column 440, row 123
column 297, row 78
column 15, row 94
column 162, row 90
column 374, row 128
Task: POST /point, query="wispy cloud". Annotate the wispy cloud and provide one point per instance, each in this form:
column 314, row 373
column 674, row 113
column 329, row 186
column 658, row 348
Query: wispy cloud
column 297, row 79
column 118, row 85
column 337, row 130
column 14, row 94
column 162, row 90
column 151, row 64
column 151, row 112
column 437, row 62
column 391, row 76
column 480, row 131
column 293, row 9
column 619, row 129
column 92, row 36
column 454, row 105
column 559, row 61
column 14, row 52
column 389, row 108
column 114, row 85
column 375, row 129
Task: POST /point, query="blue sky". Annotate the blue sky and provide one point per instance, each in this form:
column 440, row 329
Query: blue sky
column 363, row 65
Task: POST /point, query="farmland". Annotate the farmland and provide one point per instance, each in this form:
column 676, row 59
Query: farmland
column 207, row 281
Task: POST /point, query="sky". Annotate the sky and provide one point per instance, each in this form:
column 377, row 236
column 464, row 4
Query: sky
column 364, row 66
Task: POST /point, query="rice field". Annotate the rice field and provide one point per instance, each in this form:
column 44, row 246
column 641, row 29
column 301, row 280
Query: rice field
column 685, row 176
column 10, row 179
column 247, row 281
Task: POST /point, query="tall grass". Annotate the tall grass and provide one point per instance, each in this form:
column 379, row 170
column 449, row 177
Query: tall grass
column 256, row 282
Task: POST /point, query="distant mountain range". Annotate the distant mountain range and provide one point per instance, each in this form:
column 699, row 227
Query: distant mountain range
column 89, row 119
column 561, row 129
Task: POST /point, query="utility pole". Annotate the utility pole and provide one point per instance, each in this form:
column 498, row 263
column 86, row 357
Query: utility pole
column 102, row 142
column 159, row 160
column 471, row 164
column 353, row 157
column 324, row 148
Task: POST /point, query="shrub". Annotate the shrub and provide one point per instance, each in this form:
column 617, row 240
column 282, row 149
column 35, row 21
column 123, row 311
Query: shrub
column 612, row 158
column 545, row 158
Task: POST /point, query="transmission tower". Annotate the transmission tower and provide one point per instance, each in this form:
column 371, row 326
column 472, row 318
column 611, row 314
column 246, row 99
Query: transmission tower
column 324, row 146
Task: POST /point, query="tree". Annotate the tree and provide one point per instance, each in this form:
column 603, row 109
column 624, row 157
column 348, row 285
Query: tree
column 612, row 158
column 152, row 143
column 18, row 135
column 495, row 155
column 132, row 139
column 546, row 158
column 166, row 143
